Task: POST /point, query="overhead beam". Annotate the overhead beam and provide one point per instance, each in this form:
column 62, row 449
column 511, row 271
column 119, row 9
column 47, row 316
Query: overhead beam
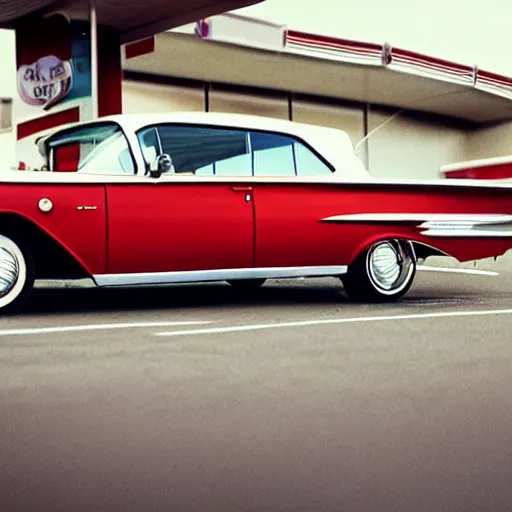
column 135, row 20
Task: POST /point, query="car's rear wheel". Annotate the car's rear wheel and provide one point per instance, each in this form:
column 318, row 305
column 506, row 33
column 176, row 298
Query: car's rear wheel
column 247, row 283
column 382, row 273
column 16, row 274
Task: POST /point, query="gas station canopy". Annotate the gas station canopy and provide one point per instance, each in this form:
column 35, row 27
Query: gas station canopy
column 134, row 19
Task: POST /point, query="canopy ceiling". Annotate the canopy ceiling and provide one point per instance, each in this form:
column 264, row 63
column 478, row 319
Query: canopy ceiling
column 135, row 19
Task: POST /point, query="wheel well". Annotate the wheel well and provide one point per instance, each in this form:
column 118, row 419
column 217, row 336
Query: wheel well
column 423, row 251
column 51, row 260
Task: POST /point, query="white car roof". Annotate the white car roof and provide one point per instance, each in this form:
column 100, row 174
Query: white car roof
column 333, row 144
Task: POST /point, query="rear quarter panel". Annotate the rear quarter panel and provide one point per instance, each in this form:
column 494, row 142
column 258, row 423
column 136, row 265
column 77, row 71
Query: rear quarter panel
column 290, row 230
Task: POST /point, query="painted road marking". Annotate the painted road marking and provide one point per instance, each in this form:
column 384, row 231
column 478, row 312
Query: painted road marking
column 308, row 323
column 95, row 327
column 458, row 270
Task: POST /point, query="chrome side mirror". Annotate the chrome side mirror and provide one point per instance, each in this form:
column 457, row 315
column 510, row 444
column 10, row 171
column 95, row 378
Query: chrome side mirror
column 162, row 164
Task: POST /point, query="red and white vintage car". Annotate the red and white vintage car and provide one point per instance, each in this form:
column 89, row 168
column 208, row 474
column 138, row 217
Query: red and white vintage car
column 194, row 197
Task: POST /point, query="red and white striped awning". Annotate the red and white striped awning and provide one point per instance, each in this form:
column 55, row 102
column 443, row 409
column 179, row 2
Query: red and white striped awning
column 397, row 59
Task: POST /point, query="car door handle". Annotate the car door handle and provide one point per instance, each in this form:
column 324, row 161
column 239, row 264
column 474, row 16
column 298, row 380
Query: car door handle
column 238, row 188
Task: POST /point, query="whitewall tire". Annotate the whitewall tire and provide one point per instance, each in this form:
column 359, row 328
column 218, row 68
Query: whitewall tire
column 16, row 274
column 382, row 273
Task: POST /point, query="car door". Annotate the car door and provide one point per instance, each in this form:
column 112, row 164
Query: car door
column 173, row 226
column 194, row 219
column 288, row 211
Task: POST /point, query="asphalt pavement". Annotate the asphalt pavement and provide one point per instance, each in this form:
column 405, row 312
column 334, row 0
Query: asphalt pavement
column 287, row 398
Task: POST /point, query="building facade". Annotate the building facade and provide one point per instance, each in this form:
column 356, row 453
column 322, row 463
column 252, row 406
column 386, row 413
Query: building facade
column 418, row 115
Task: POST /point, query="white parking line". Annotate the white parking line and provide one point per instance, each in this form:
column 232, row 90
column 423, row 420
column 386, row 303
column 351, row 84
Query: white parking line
column 308, row 323
column 94, row 327
column 458, row 270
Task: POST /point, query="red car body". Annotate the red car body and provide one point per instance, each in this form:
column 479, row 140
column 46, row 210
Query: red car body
column 140, row 224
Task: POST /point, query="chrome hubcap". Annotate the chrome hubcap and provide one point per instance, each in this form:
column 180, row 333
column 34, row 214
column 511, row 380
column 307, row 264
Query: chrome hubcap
column 384, row 266
column 9, row 271
column 390, row 265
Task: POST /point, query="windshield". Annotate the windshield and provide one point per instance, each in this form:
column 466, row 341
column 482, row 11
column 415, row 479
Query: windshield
column 99, row 148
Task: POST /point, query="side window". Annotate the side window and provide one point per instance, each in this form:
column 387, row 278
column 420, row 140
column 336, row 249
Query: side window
column 273, row 154
column 204, row 151
column 280, row 155
column 309, row 164
column 198, row 150
column 99, row 149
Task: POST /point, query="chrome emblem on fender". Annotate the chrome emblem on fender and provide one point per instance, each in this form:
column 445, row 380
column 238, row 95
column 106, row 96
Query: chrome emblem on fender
column 45, row 205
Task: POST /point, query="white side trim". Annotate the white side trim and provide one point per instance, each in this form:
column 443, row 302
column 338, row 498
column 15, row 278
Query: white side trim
column 459, row 218
column 197, row 276
column 440, row 225
column 338, row 179
column 467, row 233
column 490, row 226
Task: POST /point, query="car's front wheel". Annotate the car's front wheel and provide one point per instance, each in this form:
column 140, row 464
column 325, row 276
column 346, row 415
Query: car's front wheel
column 16, row 274
column 382, row 273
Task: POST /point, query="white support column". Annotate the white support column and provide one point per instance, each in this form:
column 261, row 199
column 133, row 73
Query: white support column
column 94, row 58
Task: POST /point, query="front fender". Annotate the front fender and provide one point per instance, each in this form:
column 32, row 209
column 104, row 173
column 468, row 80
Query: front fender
column 82, row 233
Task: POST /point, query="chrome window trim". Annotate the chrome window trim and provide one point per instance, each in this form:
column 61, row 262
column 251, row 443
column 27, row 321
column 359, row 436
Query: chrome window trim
column 159, row 140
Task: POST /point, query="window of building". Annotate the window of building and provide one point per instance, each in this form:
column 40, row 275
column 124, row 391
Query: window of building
column 147, row 98
column 5, row 114
column 266, row 105
column 205, row 151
